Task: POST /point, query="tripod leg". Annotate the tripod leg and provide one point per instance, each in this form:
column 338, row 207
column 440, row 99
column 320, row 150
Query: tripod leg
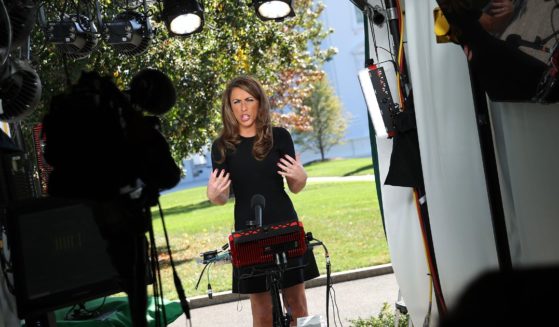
column 276, row 304
column 279, row 318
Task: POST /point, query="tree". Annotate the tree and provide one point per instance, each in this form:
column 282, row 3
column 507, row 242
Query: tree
column 234, row 41
column 327, row 121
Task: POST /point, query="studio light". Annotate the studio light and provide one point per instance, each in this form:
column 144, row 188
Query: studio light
column 5, row 34
column 183, row 17
column 23, row 14
column 276, row 10
column 75, row 35
column 20, row 87
column 20, row 90
column 130, row 33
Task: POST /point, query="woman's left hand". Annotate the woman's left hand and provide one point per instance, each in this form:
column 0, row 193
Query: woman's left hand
column 292, row 169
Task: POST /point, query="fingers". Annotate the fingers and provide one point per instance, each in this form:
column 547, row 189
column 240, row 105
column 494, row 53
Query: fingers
column 289, row 167
column 218, row 186
column 285, row 166
column 226, row 185
column 289, row 159
column 219, row 177
column 217, row 173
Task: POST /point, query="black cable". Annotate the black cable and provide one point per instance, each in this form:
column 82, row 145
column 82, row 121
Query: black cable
column 389, row 52
column 67, row 315
column 389, row 33
column 157, row 285
column 335, row 307
column 78, row 313
column 178, row 284
column 369, row 12
column 371, row 26
column 201, row 275
column 98, row 307
column 209, row 290
column 328, row 277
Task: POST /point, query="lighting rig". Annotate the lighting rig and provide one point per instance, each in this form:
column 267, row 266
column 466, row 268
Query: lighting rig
column 20, row 86
column 76, row 33
column 186, row 17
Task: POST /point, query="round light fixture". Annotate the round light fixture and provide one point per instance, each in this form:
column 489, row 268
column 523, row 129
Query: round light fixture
column 5, row 34
column 20, row 90
column 183, row 17
column 274, row 9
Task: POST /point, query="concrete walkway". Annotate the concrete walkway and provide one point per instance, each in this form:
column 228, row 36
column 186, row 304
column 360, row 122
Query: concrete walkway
column 358, row 294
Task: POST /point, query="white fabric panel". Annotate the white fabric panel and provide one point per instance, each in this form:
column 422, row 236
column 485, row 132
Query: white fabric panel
column 450, row 154
column 405, row 242
column 526, row 141
column 404, row 238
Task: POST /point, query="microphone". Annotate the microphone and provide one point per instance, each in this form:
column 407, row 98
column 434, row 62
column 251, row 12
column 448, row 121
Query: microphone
column 258, row 202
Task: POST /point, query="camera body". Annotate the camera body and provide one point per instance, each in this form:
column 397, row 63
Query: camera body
column 101, row 146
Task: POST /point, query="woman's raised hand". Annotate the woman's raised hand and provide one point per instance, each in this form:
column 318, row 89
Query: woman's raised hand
column 293, row 171
column 218, row 186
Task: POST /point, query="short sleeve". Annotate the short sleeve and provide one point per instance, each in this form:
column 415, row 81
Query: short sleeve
column 216, row 156
column 284, row 142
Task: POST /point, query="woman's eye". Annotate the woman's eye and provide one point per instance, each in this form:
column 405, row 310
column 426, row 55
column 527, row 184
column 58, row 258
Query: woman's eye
column 236, row 101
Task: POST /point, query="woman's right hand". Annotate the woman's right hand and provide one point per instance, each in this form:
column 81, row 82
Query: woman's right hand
column 218, row 186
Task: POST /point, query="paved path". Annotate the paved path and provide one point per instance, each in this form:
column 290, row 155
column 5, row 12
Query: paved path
column 356, row 298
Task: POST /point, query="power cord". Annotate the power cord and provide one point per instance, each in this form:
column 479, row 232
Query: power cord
column 329, row 288
column 178, row 284
column 209, row 258
column 82, row 313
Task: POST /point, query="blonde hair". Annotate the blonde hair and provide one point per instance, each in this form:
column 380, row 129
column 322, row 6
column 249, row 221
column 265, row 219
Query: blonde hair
column 229, row 137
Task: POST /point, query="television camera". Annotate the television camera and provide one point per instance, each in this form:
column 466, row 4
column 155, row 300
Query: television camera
column 109, row 162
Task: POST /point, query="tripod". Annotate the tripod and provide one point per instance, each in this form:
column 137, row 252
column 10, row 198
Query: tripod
column 273, row 278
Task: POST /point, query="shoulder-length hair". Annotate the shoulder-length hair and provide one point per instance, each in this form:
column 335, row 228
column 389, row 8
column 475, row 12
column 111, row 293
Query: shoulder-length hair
column 229, row 137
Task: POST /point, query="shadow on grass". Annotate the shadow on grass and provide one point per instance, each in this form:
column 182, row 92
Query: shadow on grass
column 358, row 170
column 183, row 209
column 165, row 260
column 317, row 161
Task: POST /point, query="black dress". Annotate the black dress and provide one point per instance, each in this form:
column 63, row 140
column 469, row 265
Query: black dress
column 250, row 176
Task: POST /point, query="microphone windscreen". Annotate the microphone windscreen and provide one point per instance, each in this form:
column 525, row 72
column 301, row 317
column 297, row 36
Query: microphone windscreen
column 258, row 199
column 152, row 91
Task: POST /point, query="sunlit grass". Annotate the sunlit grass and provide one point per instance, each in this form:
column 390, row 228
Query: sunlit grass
column 344, row 215
column 340, row 167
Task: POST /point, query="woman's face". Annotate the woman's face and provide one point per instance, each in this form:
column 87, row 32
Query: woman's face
column 245, row 108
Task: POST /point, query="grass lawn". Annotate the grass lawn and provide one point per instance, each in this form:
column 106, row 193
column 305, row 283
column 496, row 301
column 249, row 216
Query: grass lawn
column 340, row 167
column 344, row 215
